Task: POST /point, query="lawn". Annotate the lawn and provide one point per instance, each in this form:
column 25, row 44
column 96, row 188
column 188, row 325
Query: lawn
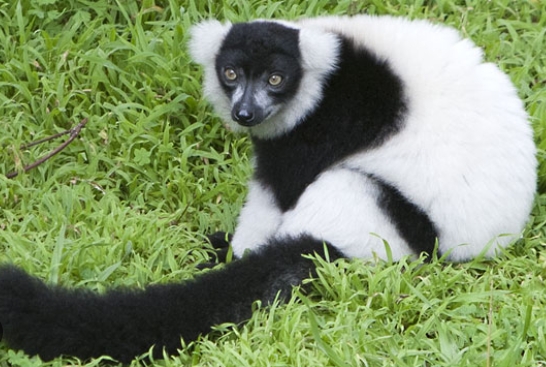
column 129, row 201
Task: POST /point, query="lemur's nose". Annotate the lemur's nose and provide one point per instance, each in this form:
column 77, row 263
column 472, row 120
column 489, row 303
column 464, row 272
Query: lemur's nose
column 243, row 116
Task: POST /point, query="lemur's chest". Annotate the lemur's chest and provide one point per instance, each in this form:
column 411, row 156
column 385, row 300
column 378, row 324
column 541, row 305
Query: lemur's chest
column 289, row 164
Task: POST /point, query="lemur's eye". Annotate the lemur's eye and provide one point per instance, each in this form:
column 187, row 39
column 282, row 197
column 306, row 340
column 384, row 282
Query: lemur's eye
column 230, row 74
column 275, row 80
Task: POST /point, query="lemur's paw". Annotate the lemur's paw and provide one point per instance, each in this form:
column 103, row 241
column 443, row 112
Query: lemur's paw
column 220, row 242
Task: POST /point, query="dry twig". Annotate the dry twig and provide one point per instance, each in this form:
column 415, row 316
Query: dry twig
column 74, row 132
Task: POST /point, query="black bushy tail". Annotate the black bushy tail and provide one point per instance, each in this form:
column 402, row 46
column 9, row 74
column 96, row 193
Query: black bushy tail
column 51, row 321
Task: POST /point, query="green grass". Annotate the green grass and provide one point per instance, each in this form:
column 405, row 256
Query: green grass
column 129, row 201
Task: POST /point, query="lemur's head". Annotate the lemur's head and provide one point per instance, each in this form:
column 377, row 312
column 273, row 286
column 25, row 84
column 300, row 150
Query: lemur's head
column 263, row 75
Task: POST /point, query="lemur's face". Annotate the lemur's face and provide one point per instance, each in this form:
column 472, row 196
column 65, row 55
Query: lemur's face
column 259, row 69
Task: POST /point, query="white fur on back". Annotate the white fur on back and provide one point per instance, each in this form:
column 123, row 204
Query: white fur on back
column 466, row 154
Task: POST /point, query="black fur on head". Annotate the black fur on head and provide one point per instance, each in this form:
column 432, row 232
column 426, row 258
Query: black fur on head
column 260, row 42
column 251, row 55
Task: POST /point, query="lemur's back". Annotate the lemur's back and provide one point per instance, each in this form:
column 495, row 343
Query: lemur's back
column 466, row 153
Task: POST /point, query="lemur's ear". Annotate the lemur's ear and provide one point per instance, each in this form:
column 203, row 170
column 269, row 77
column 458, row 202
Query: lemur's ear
column 319, row 49
column 206, row 39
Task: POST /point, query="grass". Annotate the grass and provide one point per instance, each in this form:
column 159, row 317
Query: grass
column 128, row 203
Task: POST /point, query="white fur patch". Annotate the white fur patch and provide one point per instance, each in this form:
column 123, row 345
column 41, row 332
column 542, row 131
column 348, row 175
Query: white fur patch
column 259, row 220
column 340, row 207
column 205, row 42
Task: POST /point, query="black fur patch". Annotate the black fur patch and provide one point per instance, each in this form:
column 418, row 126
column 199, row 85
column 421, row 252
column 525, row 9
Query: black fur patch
column 412, row 223
column 257, row 49
column 259, row 41
column 53, row 321
column 362, row 106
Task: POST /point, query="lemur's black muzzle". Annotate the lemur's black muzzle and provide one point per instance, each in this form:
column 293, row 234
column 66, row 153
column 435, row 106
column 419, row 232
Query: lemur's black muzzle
column 246, row 112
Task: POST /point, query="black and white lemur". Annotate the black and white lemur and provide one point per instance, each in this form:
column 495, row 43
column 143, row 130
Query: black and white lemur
column 366, row 131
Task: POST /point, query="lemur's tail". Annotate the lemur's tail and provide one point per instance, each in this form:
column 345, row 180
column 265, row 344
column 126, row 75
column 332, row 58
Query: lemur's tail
column 50, row 321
